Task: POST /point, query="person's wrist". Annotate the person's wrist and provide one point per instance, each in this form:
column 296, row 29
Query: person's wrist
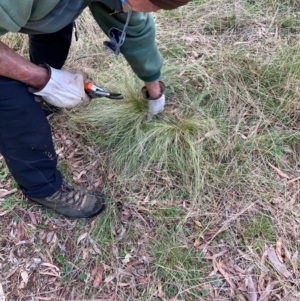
column 153, row 90
column 41, row 77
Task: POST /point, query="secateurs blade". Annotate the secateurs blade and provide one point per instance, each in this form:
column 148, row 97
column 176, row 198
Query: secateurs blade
column 95, row 91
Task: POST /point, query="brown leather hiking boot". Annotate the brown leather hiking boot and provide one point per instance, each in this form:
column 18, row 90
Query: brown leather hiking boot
column 73, row 201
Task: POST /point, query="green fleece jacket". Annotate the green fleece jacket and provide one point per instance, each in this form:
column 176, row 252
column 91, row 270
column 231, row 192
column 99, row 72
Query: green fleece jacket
column 40, row 16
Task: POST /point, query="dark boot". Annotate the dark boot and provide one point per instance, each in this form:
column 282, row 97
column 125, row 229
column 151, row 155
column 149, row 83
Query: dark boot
column 73, row 201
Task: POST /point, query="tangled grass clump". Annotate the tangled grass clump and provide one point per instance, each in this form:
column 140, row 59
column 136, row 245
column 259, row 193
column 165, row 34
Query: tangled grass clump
column 176, row 143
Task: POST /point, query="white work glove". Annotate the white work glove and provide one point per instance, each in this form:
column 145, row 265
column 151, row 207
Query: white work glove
column 155, row 106
column 64, row 89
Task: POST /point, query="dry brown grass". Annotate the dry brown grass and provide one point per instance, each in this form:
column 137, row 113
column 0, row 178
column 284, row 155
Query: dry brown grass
column 233, row 68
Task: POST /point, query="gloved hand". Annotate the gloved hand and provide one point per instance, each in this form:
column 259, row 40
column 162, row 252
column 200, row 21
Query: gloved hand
column 155, row 106
column 64, row 89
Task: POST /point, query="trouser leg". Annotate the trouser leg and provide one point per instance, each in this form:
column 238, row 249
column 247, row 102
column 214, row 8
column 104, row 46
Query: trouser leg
column 25, row 135
column 26, row 142
column 51, row 48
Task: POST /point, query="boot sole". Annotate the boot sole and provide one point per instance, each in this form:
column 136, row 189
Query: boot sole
column 103, row 206
column 97, row 212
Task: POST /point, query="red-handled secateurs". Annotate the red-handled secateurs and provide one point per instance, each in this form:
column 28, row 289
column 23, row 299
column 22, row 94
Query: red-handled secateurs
column 95, row 91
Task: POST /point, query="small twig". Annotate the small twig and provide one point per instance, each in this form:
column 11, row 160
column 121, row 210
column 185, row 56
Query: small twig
column 225, row 275
column 44, row 293
column 141, row 218
column 93, row 300
column 4, row 192
column 90, row 55
column 273, row 20
column 225, row 226
column 280, row 172
column 293, row 180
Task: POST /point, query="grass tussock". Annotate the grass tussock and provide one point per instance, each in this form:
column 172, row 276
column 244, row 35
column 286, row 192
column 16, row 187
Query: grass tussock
column 174, row 143
column 243, row 97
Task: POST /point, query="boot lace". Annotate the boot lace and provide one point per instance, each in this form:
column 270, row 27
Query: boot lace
column 69, row 194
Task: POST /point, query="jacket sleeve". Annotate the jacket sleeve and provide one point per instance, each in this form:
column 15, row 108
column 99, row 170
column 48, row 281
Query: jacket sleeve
column 139, row 48
column 13, row 15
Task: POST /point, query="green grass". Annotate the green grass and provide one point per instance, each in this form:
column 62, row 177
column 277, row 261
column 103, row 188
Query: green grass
column 176, row 266
column 196, row 180
column 232, row 108
column 187, row 141
column 4, row 172
column 65, row 169
column 258, row 231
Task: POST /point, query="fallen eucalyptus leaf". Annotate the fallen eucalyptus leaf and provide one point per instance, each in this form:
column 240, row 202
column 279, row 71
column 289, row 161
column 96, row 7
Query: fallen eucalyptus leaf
column 280, row 267
column 81, row 237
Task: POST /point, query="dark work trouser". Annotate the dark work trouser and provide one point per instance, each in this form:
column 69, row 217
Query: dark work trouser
column 25, row 134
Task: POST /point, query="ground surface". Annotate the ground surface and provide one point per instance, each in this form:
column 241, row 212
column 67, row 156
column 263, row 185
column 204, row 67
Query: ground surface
column 203, row 201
